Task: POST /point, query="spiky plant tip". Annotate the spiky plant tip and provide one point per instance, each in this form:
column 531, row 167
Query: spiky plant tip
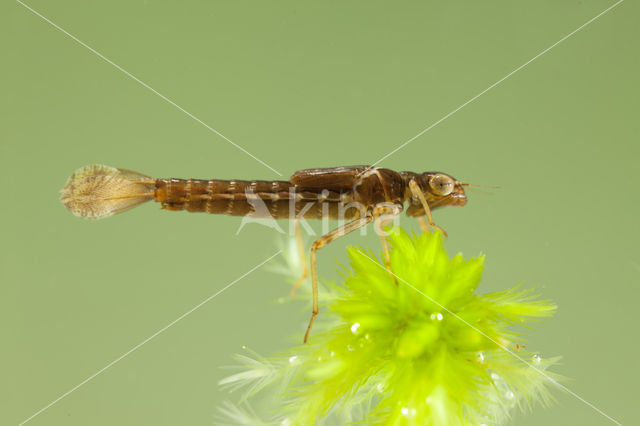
column 417, row 345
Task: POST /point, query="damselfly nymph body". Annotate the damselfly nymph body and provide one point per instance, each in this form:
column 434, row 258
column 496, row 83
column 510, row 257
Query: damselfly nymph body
column 357, row 194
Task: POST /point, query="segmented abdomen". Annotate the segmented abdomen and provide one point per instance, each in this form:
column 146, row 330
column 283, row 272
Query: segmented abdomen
column 277, row 199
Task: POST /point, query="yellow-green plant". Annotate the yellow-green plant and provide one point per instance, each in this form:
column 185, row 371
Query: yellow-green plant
column 416, row 347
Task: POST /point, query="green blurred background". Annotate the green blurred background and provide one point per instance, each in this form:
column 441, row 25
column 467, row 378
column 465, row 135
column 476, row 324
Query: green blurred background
column 305, row 84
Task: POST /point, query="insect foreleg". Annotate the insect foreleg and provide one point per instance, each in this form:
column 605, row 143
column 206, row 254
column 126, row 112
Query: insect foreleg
column 417, row 192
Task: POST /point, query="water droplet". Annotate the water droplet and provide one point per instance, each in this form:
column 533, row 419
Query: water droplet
column 350, row 348
column 244, row 347
column 480, row 357
column 408, row 412
column 437, row 316
column 355, row 327
column 503, row 388
column 293, row 359
column 537, row 359
column 380, row 387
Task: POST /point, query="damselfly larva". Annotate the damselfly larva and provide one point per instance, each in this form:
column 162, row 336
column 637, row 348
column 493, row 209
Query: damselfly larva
column 358, row 194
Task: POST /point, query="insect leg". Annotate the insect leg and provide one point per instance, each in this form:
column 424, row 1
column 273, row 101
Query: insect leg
column 415, row 190
column 303, row 259
column 423, row 224
column 323, row 241
column 383, row 213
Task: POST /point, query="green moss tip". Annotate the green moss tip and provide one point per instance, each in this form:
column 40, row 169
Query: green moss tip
column 416, row 347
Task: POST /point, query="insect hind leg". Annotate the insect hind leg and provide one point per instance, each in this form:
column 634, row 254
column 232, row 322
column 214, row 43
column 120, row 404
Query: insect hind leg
column 321, row 242
column 303, row 260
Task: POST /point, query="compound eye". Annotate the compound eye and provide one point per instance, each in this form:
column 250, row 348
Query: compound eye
column 441, row 184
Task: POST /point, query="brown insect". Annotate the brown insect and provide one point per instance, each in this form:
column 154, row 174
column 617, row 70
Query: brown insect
column 358, row 194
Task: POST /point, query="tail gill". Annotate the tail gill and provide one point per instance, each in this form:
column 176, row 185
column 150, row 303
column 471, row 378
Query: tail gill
column 98, row 191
